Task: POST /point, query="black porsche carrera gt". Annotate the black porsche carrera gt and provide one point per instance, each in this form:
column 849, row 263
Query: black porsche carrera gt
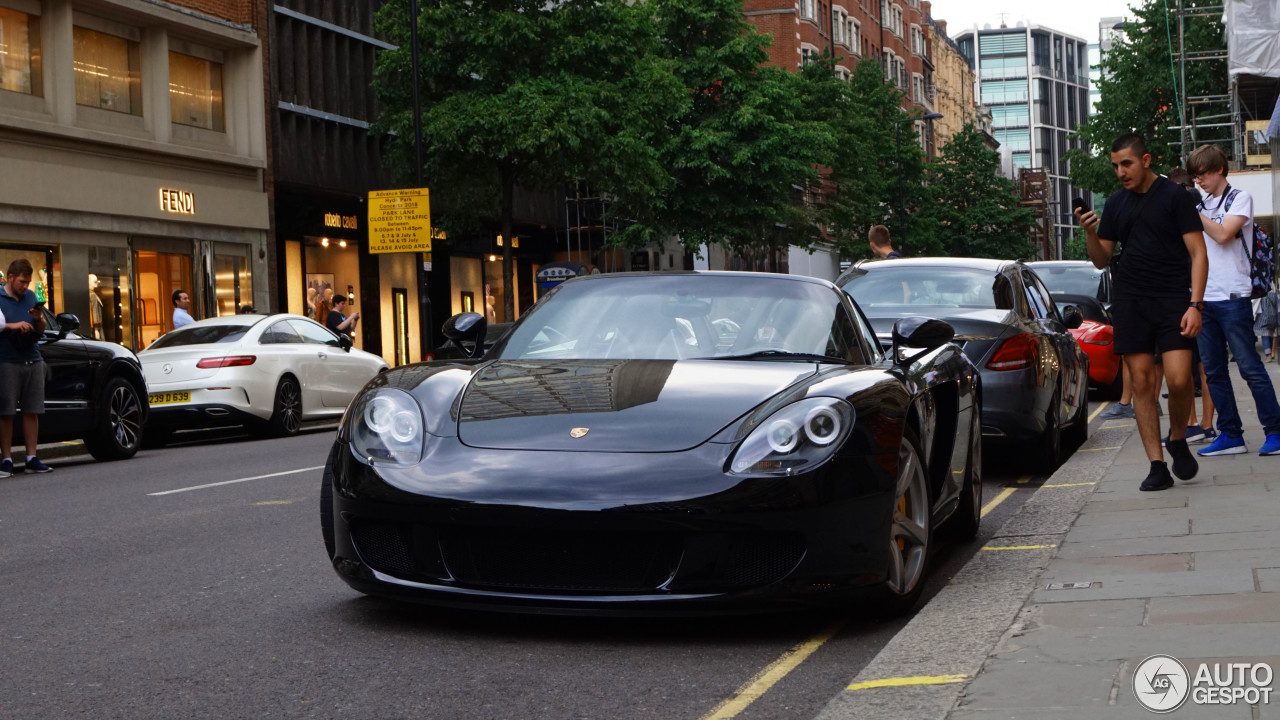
column 668, row 442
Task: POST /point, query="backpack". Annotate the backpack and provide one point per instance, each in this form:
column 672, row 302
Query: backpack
column 1262, row 260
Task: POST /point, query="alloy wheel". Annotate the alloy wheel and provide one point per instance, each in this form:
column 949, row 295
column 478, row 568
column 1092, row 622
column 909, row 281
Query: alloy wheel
column 289, row 407
column 124, row 415
column 909, row 532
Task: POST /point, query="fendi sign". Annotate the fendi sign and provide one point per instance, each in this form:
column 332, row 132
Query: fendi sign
column 180, row 202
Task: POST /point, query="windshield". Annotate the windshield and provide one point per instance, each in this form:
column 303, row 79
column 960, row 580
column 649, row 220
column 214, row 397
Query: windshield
column 1071, row 280
column 679, row 317
column 929, row 285
column 200, row 335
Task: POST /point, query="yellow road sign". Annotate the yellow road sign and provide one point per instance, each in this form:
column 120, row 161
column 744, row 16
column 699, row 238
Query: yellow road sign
column 400, row 220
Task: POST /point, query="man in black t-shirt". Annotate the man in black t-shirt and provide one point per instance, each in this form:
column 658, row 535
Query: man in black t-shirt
column 338, row 322
column 1157, row 290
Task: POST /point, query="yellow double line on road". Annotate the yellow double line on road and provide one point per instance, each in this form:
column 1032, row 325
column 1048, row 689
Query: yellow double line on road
column 790, row 660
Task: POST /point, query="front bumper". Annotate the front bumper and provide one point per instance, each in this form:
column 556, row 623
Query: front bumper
column 617, row 533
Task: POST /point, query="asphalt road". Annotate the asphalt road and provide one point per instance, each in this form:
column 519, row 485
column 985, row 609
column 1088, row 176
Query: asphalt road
column 123, row 598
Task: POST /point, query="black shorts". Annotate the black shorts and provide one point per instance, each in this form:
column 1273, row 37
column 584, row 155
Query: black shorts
column 1150, row 325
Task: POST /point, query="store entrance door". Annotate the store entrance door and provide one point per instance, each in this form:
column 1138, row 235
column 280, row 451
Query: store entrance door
column 157, row 274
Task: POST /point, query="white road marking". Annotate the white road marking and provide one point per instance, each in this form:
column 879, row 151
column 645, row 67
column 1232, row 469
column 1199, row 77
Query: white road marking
column 233, row 482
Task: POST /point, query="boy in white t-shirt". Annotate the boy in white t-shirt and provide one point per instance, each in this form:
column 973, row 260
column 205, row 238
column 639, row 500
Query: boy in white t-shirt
column 1227, row 318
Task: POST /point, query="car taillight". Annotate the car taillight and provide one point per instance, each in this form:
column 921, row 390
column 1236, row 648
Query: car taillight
column 1016, row 353
column 226, row 361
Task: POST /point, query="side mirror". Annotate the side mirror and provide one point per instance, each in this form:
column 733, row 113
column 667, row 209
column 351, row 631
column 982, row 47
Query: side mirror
column 344, row 342
column 468, row 327
column 920, row 332
column 1072, row 317
column 66, row 323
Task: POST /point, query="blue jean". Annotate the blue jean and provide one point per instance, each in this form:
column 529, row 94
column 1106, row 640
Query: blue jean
column 1230, row 323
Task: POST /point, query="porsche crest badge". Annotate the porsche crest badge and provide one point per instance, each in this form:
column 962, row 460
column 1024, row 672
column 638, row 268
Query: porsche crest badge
column 578, row 432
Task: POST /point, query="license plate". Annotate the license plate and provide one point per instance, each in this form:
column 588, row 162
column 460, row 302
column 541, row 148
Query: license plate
column 169, row 397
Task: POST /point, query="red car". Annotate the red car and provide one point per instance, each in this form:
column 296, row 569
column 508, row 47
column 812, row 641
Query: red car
column 1104, row 365
column 1079, row 283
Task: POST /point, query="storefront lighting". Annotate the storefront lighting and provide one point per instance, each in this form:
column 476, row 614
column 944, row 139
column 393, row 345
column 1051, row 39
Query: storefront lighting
column 493, row 258
column 324, row 242
column 342, row 243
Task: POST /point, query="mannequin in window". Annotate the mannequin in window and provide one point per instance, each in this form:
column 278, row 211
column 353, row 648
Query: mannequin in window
column 490, row 312
column 95, row 308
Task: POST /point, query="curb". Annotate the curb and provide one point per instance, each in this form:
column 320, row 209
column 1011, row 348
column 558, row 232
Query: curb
column 924, row 670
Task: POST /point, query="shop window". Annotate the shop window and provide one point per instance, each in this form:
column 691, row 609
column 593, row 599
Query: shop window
column 107, row 72
column 195, row 92
column 109, row 315
column 20, row 53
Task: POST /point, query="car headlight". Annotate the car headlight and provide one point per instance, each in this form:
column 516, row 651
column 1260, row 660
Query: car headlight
column 795, row 438
column 387, row 427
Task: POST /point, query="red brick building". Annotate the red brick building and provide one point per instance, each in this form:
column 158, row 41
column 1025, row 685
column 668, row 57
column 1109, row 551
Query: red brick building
column 890, row 32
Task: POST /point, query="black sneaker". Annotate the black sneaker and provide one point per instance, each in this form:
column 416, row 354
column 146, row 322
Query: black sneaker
column 34, row 465
column 1184, row 463
column 1158, row 479
column 6, row 468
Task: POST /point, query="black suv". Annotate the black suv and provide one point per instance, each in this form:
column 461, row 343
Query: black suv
column 94, row 392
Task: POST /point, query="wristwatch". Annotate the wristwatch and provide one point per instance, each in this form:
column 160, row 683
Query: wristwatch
column 1197, row 305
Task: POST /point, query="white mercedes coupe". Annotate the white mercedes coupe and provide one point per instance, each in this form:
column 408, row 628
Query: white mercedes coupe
column 262, row 371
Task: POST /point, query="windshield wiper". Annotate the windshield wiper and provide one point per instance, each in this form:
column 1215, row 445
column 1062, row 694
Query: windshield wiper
column 784, row 355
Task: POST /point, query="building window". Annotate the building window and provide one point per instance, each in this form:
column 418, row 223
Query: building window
column 107, row 72
column 837, row 27
column 806, row 9
column 890, row 70
column 807, row 54
column 195, row 92
column 855, row 33
column 20, row 52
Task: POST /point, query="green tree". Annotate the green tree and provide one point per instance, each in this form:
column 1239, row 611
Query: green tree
column 1140, row 91
column 976, row 208
column 525, row 92
column 740, row 145
column 876, row 173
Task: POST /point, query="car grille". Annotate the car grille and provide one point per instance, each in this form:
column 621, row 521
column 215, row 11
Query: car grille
column 577, row 562
column 760, row 561
column 599, row 562
column 385, row 547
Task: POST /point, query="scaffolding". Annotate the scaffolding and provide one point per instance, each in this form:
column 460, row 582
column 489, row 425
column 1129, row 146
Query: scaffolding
column 1035, row 190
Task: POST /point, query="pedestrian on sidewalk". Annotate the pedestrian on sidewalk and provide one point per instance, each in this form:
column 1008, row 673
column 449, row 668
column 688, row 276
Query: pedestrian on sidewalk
column 1227, row 218
column 1267, row 320
column 22, row 368
column 881, row 245
column 1158, row 289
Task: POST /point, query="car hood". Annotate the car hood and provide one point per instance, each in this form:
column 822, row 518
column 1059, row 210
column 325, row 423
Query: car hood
column 622, row 405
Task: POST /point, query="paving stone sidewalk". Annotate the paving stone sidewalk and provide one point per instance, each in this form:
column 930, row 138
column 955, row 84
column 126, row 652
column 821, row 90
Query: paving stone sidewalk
column 1192, row 572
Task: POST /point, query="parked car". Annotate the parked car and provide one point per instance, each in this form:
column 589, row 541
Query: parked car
column 601, row 459
column 94, row 392
column 1034, row 374
column 1079, row 283
column 267, row 371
